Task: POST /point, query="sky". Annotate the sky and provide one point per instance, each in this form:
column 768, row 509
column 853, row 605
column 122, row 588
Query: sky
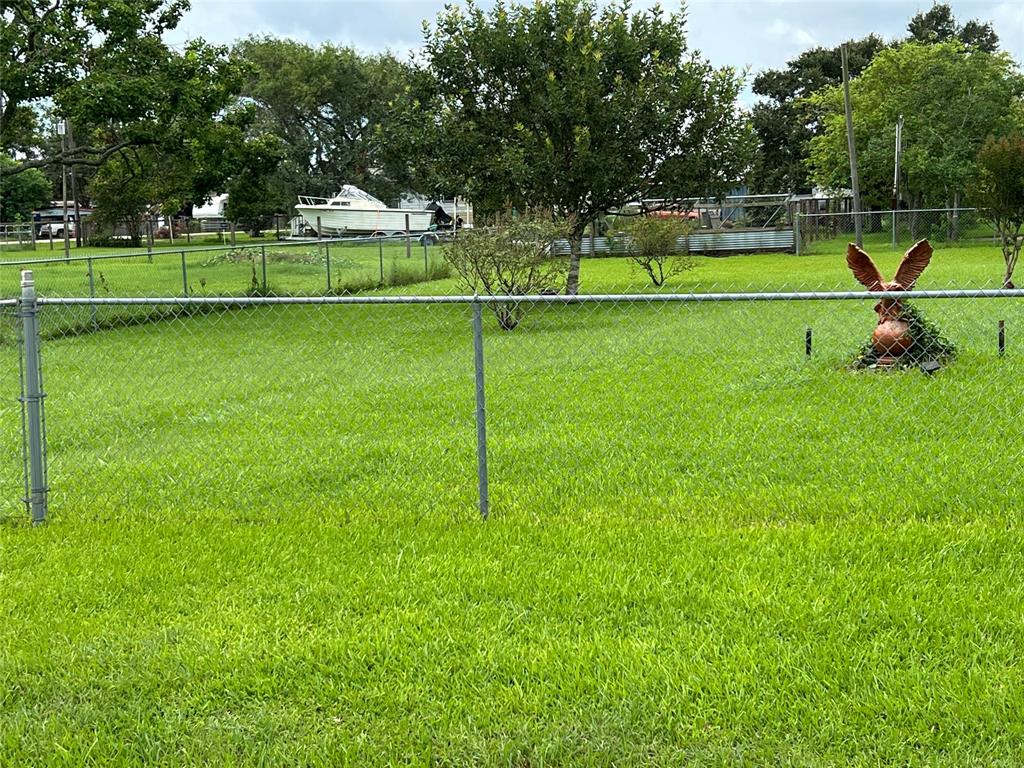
column 754, row 34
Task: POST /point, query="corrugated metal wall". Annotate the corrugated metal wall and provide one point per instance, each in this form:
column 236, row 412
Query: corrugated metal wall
column 720, row 241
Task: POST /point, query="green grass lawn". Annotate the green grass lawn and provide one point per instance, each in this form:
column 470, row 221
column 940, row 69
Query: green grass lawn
column 704, row 549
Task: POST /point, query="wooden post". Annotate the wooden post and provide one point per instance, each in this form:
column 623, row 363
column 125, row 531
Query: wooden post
column 64, row 188
column 408, row 240
column 74, row 192
column 851, row 143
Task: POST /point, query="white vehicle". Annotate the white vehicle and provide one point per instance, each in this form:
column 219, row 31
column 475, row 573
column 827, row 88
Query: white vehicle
column 55, row 229
column 355, row 212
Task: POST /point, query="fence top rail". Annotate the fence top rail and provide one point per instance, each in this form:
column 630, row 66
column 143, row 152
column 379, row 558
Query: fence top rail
column 560, row 299
column 168, row 250
column 833, row 214
column 8, row 303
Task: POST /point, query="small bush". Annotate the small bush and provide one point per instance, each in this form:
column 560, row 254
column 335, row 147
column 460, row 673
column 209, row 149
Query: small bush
column 653, row 245
column 399, row 273
column 929, row 344
column 356, row 283
column 513, row 260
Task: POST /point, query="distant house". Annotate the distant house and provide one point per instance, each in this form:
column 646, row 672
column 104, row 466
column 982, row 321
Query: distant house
column 211, row 215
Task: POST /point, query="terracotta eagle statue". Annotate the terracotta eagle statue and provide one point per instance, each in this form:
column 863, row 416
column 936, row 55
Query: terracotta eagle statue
column 891, row 337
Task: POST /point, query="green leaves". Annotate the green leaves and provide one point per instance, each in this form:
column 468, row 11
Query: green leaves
column 998, row 188
column 950, row 98
column 568, row 107
column 327, row 105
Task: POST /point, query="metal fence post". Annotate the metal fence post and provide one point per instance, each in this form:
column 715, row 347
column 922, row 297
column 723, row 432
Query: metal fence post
column 408, row 239
column 426, row 261
column 184, row 275
column 327, row 251
column 92, row 295
column 481, row 412
column 380, row 250
column 32, row 401
column 796, row 231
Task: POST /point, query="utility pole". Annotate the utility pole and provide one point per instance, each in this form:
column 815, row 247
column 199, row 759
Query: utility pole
column 74, row 191
column 858, row 225
column 896, row 165
column 896, row 178
column 62, row 129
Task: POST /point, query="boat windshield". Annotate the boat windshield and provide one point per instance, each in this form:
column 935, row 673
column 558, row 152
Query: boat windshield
column 355, row 193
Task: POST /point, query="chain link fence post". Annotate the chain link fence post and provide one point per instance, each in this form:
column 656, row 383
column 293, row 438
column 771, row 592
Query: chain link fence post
column 184, row 275
column 92, row 295
column 32, row 401
column 327, row 259
column 481, row 411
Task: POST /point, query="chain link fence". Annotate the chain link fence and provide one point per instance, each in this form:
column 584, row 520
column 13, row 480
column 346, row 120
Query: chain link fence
column 944, row 227
column 301, row 268
column 375, row 406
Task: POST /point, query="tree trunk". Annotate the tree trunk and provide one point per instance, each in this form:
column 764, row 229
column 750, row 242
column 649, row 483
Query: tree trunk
column 1011, row 250
column 572, row 283
column 955, row 223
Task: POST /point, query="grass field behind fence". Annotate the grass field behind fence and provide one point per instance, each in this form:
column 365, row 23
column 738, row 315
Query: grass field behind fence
column 704, row 547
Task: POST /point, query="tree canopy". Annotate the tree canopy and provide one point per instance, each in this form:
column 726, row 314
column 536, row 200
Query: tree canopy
column 326, row 105
column 565, row 107
column 783, row 125
column 951, row 97
column 781, row 119
column 156, row 126
column 939, row 25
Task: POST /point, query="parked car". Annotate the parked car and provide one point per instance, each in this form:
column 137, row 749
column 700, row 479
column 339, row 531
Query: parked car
column 55, row 229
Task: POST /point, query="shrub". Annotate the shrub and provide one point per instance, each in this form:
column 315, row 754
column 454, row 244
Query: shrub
column 653, row 245
column 929, row 343
column 511, row 260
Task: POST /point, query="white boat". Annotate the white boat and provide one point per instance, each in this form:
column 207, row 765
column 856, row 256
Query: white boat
column 355, row 212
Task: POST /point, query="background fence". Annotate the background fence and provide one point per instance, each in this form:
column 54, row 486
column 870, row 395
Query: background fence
column 379, row 405
column 288, row 267
column 895, row 229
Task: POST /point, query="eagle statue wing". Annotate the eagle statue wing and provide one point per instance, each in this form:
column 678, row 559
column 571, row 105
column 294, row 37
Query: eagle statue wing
column 864, row 268
column 913, row 264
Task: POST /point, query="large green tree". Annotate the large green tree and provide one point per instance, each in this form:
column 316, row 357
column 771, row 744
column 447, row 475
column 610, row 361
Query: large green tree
column 326, row 104
column 785, row 126
column 82, row 56
column 951, row 97
column 22, row 193
column 136, row 106
column 565, row 107
column 939, row 25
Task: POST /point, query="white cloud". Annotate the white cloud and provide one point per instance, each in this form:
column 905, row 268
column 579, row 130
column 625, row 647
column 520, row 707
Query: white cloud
column 790, row 33
column 1008, row 19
